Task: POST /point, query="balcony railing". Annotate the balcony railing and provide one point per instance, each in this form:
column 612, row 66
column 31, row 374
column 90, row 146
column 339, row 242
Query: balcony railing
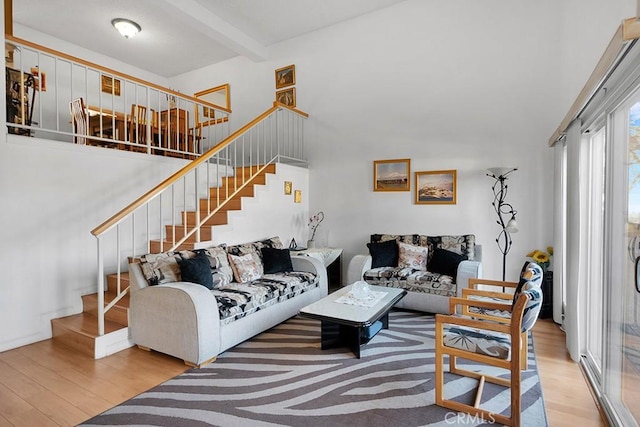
column 53, row 95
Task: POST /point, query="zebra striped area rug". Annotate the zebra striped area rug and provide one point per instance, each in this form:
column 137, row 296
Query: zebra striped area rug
column 282, row 378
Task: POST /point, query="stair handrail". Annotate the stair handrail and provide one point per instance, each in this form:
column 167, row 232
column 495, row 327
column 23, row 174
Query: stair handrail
column 167, row 184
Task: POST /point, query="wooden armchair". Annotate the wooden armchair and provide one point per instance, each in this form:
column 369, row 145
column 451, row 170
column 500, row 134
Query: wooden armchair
column 81, row 123
column 498, row 313
column 79, row 120
column 496, row 341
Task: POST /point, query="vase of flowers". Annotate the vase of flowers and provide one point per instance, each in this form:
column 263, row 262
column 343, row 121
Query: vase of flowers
column 314, row 222
column 542, row 258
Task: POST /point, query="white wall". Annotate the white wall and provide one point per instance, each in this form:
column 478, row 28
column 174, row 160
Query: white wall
column 462, row 85
column 54, row 194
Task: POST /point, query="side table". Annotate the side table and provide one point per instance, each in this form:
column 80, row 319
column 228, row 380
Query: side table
column 546, row 311
column 331, row 258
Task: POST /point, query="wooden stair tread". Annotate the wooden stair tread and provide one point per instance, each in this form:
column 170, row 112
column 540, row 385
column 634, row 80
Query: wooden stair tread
column 109, row 296
column 271, row 168
column 154, row 246
column 232, row 204
column 85, row 324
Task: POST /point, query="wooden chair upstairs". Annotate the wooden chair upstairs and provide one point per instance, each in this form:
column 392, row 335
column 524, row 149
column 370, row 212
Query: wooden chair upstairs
column 79, row 120
column 496, row 342
column 82, row 126
column 138, row 128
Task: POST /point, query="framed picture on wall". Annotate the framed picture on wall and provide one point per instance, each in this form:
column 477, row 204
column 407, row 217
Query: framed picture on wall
column 286, row 76
column 110, row 85
column 436, row 187
column 287, row 97
column 391, row 175
column 297, row 196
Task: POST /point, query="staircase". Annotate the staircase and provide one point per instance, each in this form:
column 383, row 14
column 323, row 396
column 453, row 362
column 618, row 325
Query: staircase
column 80, row 331
column 217, row 196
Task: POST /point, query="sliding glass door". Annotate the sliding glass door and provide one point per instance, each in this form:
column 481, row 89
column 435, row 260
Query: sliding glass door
column 622, row 333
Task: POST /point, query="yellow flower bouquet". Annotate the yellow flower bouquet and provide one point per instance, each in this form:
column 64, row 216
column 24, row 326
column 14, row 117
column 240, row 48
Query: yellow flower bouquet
column 541, row 257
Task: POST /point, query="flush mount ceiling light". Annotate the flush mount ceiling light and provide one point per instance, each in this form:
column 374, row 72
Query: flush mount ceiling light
column 126, row 27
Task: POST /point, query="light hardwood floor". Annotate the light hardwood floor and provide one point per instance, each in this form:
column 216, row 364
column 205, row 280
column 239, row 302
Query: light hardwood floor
column 47, row 384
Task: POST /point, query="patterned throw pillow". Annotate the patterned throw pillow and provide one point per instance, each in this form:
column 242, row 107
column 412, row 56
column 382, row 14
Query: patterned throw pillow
column 160, row 268
column 463, row 245
column 412, row 239
column 244, row 268
column 410, row 256
column 246, row 249
column 255, row 250
column 272, row 242
column 221, row 272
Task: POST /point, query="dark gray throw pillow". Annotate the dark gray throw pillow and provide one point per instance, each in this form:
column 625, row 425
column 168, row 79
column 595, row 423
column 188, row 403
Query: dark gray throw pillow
column 384, row 254
column 445, row 262
column 276, row 260
column 197, row 270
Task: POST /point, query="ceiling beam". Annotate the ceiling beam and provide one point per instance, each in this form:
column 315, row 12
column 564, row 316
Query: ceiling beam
column 211, row 25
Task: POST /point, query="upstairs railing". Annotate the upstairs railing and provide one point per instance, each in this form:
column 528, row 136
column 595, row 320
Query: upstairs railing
column 54, row 95
column 182, row 208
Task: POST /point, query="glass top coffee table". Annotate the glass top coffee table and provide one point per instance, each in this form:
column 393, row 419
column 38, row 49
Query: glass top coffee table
column 349, row 325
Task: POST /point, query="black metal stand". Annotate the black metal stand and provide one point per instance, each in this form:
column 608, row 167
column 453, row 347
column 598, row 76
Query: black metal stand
column 546, row 311
column 502, row 208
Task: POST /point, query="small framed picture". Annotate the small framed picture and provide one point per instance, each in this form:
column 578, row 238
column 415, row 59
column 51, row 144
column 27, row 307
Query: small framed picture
column 110, row 85
column 287, row 97
column 436, row 187
column 391, row 175
column 287, row 187
column 209, row 113
column 286, row 76
column 297, row 196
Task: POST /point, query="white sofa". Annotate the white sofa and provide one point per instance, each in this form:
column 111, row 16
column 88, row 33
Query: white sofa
column 182, row 319
column 418, row 298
